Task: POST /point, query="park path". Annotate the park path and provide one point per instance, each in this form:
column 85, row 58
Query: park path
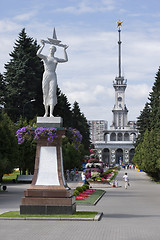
column 132, row 214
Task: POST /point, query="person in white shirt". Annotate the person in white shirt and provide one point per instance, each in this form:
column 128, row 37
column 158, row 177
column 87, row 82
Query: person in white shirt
column 126, row 180
column 83, row 177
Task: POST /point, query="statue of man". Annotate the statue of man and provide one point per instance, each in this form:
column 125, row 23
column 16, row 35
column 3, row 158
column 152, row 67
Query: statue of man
column 49, row 82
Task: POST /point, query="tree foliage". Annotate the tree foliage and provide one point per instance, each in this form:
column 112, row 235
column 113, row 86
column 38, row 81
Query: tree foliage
column 2, row 88
column 147, row 152
column 80, row 123
column 8, row 145
column 22, row 79
column 63, row 109
column 72, row 158
column 147, row 155
column 26, row 151
column 154, row 98
column 143, row 122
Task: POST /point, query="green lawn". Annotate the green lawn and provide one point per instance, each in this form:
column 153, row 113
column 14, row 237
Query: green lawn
column 92, row 199
column 78, row 214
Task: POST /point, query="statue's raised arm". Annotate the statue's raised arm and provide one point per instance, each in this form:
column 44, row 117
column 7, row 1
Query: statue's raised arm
column 65, row 56
column 40, row 50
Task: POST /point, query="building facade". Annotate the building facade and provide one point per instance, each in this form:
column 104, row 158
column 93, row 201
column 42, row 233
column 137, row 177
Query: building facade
column 97, row 128
column 118, row 144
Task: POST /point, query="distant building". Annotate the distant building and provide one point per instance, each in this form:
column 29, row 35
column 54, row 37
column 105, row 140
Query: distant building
column 117, row 147
column 97, row 128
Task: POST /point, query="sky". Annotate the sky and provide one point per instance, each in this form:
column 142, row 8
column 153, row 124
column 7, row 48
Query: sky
column 89, row 28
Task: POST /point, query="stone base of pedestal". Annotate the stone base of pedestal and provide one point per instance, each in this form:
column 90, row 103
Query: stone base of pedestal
column 47, row 201
column 49, row 122
column 47, row 209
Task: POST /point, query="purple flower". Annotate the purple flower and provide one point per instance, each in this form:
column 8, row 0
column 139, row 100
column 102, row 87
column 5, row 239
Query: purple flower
column 49, row 132
column 24, row 133
column 76, row 137
column 21, row 133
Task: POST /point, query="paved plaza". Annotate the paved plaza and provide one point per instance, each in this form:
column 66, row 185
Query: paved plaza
column 132, row 214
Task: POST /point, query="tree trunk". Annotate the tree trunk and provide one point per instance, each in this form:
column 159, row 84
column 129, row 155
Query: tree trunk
column 1, row 176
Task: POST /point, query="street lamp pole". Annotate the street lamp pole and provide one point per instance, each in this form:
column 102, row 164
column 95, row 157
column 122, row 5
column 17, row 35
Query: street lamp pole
column 33, row 100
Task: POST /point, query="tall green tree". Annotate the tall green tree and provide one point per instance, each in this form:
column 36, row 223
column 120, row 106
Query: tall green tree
column 72, row 158
column 150, row 116
column 154, row 98
column 63, row 109
column 143, row 122
column 22, row 79
column 80, row 123
column 147, row 155
column 2, row 88
column 8, row 145
column 148, row 143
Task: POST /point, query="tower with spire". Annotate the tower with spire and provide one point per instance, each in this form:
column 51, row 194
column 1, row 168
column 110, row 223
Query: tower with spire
column 118, row 144
column 119, row 110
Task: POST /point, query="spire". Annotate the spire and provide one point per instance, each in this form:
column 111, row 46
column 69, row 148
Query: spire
column 119, row 24
column 54, row 34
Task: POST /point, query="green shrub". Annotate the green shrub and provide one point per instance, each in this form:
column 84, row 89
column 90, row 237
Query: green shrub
column 84, row 188
column 75, row 193
column 86, row 185
column 80, row 189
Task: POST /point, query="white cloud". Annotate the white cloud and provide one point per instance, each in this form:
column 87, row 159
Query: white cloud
column 25, row 16
column 7, row 26
column 138, row 92
column 88, row 6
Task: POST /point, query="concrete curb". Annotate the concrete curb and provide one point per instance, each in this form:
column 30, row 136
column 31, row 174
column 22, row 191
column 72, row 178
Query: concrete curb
column 96, row 218
column 99, row 198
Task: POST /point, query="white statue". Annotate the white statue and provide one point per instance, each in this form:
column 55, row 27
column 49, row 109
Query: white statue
column 49, row 82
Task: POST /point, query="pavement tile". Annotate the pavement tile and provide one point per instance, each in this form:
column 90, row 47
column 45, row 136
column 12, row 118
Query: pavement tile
column 132, row 214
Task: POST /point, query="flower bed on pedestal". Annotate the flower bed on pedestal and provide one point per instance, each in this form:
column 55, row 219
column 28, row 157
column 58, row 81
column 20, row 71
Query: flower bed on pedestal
column 48, row 193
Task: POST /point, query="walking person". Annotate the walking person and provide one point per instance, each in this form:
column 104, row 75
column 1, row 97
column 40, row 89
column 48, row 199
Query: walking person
column 83, row 177
column 126, row 180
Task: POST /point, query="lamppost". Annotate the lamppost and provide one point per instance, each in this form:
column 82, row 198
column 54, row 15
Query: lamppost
column 33, row 100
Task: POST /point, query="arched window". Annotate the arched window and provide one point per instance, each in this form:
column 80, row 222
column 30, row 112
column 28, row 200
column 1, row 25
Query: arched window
column 126, row 137
column 119, row 136
column 113, row 137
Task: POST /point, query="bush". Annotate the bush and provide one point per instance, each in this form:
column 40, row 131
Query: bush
column 75, row 193
column 86, row 185
column 84, row 188
column 80, row 189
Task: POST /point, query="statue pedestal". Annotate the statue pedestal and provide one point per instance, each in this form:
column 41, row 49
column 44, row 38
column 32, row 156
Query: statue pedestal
column 48, row 193
column 49, row 122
